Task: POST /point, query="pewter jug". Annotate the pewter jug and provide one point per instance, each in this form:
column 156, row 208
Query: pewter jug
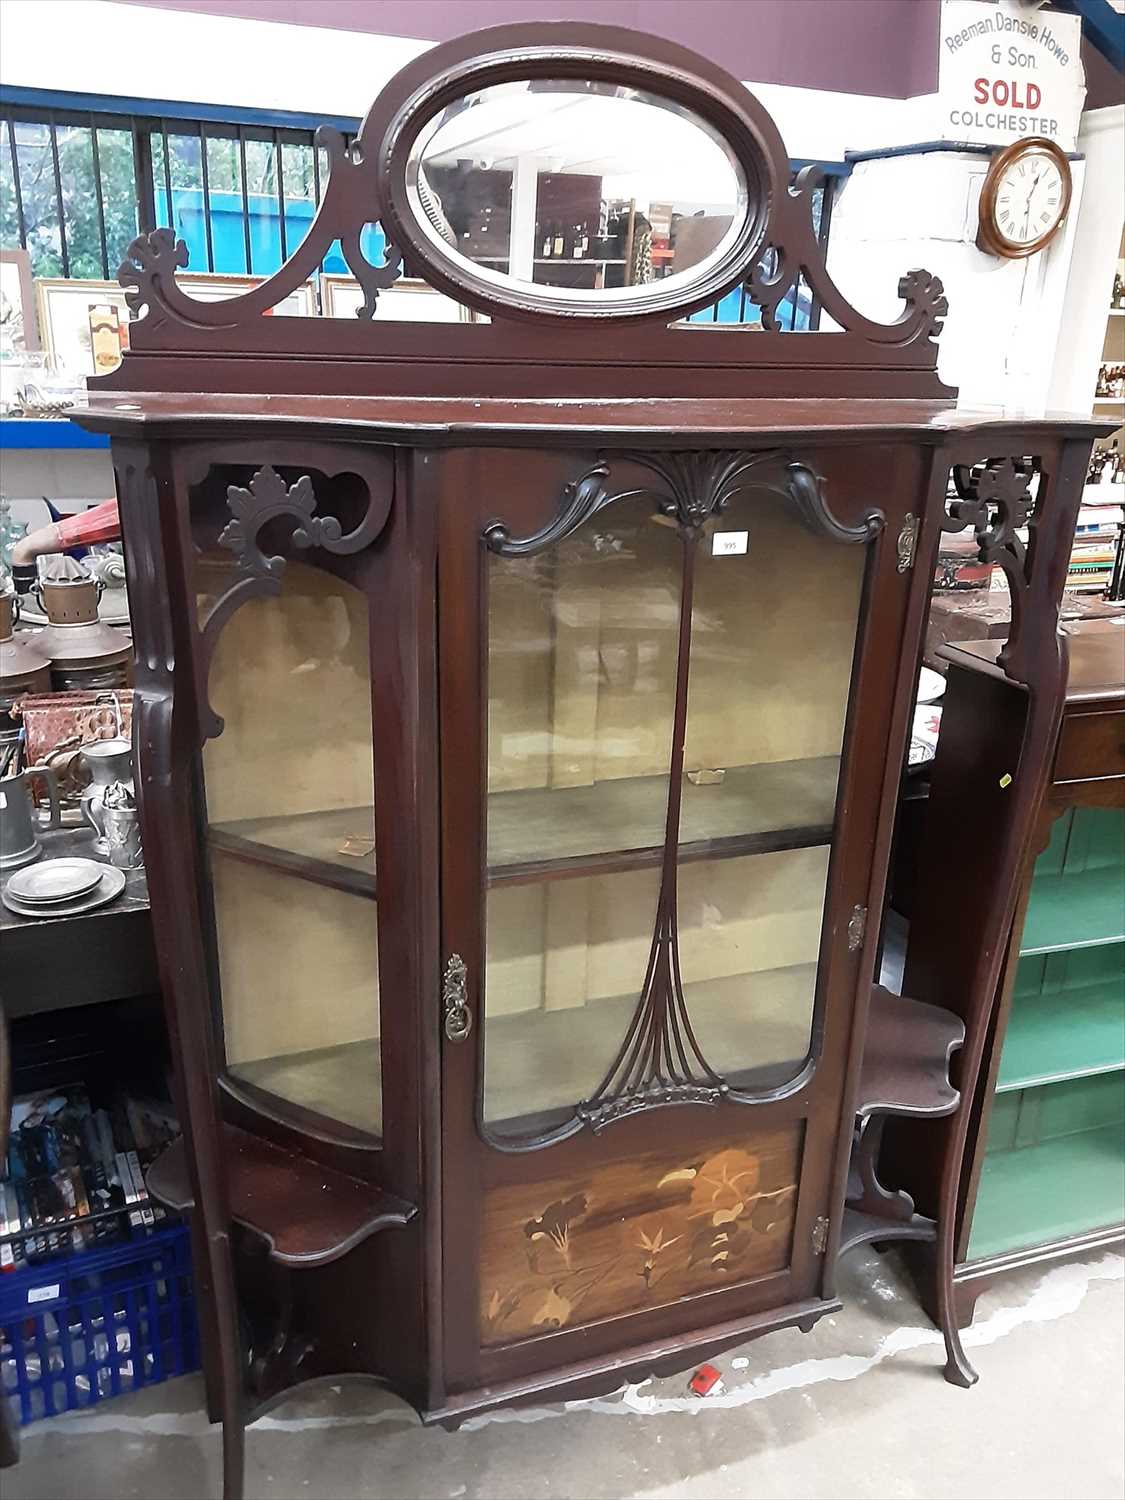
column 107, row 761
column 19, row 824
column 121, row 827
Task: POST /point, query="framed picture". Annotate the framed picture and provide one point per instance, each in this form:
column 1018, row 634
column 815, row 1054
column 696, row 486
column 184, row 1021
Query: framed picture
column 215, row 288
column 74, row 316
column 19, row 329
column 408, row 301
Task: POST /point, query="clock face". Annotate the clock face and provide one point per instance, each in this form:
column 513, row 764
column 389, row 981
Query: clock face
column 1031, row 199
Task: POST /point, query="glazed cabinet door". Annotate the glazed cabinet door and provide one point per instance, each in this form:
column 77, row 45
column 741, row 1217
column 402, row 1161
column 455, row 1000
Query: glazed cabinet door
column 650, row 678
column 287, row 558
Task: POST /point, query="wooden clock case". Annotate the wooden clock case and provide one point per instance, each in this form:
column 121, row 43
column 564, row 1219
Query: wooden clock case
column 588, row 1081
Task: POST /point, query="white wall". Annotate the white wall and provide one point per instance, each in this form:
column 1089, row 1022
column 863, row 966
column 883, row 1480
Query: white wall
column 895, row 213
column 203, row 59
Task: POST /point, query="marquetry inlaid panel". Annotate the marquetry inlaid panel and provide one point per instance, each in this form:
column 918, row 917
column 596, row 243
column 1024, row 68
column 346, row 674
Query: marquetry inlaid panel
column 636, row 1234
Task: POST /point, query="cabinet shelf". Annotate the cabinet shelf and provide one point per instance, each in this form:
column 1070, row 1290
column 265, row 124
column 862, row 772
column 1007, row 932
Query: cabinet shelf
column 307, row 845
column 1035, row 1195
column 906, row 1056
column 538, row 1061
column 619, row 824
column 309, row 1214
column 1081, row 910
column 1059, row 1035
column 590, row 830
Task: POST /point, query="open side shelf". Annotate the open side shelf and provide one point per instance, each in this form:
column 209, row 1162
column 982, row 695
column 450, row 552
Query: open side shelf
column 309, row 1214
column 906, row 1057
column 861, row 1228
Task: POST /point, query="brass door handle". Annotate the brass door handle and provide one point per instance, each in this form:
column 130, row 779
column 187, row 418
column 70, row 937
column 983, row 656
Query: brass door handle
column 457, row 1018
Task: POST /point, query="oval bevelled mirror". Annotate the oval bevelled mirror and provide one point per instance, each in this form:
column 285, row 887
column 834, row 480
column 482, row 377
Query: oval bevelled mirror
column 596, row 196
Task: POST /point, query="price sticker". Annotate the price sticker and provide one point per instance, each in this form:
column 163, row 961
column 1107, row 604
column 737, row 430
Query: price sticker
column 729, row 543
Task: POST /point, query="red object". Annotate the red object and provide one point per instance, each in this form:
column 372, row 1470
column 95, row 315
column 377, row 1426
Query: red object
column 101, row 524
column 705, row 1379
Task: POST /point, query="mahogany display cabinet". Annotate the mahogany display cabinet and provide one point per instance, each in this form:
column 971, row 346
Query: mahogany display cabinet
column 521, row 705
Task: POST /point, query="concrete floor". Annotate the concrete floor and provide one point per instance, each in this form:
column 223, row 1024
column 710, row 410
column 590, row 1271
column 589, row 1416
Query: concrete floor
column 857, row 1408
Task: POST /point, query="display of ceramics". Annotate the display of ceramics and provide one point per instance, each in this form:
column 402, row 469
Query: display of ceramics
column 108, row 888
column 931, row 685
column 924, row 735
column 56, row 880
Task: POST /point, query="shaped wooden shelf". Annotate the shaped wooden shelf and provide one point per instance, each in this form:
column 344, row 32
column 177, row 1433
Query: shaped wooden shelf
column 309, row 1214
column 307, row 845
column 861, row 1228
column 906, row 1057
column 619, row 824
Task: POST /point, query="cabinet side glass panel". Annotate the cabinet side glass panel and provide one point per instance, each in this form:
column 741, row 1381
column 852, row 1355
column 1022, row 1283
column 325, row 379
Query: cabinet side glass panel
column 774, row 622
column 581, row 661
column 290, row 809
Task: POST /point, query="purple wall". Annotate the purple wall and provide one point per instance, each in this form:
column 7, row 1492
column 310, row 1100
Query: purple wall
column 885, row 47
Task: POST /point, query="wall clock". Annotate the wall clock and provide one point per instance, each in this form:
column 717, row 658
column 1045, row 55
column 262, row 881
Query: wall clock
column 1025, row 198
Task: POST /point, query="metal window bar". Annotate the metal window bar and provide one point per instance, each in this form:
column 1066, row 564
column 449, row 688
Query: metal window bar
column 20, row 222
column 102, row 239
column 245, row 202
column 207, row 230
column 169, row 214
column 280, row 173
column 54, row 135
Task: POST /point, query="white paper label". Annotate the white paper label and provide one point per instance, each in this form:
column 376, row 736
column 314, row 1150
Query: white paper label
column 44, row 1293
column 729, row 543
column 3, row 800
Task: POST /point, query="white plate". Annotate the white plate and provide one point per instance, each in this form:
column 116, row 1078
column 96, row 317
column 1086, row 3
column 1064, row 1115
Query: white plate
column 55, row 880
column 931, row 685
column 108, row 888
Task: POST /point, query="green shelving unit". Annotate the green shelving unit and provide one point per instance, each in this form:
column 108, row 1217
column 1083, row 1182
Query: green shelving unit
column 1055, row 1161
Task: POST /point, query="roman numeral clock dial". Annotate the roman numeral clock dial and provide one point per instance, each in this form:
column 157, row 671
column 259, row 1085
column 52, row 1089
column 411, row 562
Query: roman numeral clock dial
column 1024, row 199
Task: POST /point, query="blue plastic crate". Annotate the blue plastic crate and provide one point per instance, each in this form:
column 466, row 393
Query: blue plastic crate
column 77, row 1330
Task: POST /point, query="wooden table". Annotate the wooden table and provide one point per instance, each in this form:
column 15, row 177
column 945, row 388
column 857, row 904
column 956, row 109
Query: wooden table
column 51, row 963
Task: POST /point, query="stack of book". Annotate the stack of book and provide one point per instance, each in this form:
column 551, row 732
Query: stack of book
column 73, row 1178
column 1096, row 538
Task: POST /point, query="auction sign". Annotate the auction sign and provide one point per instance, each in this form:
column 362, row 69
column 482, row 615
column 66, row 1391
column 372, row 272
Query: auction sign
column 1007, row 71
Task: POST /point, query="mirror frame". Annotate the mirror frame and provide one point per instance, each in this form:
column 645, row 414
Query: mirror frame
column 606, row 54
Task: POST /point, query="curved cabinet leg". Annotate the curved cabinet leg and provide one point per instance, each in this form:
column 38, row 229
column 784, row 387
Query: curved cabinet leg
column 958, row 1370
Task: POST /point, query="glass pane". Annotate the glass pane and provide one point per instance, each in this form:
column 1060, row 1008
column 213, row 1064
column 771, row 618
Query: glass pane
column 596, row 192
column 581, row 691
column 289, row 785
column 765, row 728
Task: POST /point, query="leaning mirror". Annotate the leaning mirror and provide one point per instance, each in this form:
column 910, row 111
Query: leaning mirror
column 593, row 194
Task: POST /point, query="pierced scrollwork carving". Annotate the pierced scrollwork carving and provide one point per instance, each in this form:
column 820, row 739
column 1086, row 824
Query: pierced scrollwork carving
column 694, row 486
column 925, row 300
column 772, row 277
column 268, row 496
column 995, row 498
column 150, row 267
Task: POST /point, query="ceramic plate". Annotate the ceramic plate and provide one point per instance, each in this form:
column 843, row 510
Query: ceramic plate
column 107, row 889
column 931, row 685
column 56, row 880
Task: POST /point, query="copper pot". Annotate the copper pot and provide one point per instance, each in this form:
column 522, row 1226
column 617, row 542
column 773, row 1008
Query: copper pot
column 84, row 653
column 24, row 665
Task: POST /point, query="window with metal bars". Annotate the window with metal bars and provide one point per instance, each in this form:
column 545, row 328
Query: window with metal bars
column 77, row 186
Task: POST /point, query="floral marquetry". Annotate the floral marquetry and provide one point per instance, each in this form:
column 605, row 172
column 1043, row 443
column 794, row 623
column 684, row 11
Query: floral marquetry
column 635, row 1234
